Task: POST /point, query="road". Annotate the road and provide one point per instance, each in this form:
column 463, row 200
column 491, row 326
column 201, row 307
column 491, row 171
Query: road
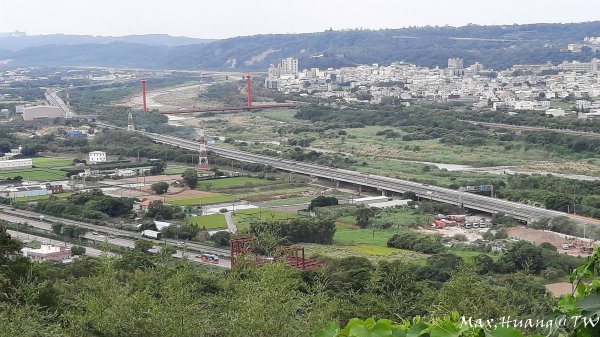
column 30, row 237
column 472, row 201
column 111, row 235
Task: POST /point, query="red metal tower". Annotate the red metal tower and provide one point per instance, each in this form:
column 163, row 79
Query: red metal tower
column 202, row 153
column 249, row 90
column 144, row 94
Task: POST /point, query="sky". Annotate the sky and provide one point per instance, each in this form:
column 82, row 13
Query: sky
column 229, row 18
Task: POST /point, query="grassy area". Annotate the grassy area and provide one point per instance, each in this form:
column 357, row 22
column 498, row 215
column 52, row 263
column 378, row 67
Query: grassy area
column 52, row 162
column 230, row 183
column 206, row 200
column 38, row 174
column 171, row 169
column 43, row 197
column 212, row 221
column 289, row 201
column 353, row 236
column 468, row 255
column 264, row 195
column 34, row 244
column 375, row 254
column 243, row 218
column 283, row 115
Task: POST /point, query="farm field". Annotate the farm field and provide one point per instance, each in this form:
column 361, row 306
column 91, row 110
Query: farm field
column 243, row 218
column 231, row 183
column 36, row 174
column 216, row 198
column 212, row 221
column 52, row 162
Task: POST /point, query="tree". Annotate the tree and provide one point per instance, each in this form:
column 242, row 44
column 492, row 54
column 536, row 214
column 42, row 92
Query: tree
column 221, row 238
column 160, row 187
column 158, row 168
column 523, row 255
column 322, row 201
column 78, row 250
column 143, row 246
column 363, row 215
column 57, row 228
column 190, row 178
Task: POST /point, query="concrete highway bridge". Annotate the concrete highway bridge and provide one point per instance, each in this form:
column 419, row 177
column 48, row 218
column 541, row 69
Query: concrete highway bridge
column 385, row 184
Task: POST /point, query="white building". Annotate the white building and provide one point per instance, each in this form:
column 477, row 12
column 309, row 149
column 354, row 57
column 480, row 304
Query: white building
column 97, row 156
column 25, row 191
column 48, row 253
column 41, row 112
column 15, row 164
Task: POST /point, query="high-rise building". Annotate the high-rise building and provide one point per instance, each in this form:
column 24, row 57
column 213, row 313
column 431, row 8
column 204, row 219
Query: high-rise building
column 455, row 63
column 289, row 66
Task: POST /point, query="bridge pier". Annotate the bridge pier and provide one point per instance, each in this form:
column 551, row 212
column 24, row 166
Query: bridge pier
column 359, row 189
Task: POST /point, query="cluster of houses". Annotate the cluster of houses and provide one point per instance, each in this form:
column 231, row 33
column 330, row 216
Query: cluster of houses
column 522, row 87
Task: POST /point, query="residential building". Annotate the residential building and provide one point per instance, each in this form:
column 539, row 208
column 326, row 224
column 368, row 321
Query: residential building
column 288, row 66
column 48, row 253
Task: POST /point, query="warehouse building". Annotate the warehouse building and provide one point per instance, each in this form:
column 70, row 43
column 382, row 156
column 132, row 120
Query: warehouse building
column 41, row 112
column 15, row 164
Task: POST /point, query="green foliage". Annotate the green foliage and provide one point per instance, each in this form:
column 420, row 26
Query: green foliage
column 221, row 238
column 310, row 230
column 160, row 187
column 322, row 201
column 161, row 211
column 190, row 178
column 412, row 240
column 78, row 250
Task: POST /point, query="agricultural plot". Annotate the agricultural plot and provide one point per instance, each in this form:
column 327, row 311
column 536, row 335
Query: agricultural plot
column 216, row 198
column 243, row 218
column 212, row 221
column 44, row 197
column 36, row 174
column 232, row 183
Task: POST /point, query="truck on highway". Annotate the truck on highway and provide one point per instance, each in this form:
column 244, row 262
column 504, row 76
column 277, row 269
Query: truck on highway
column 209, row 258
column 151, row 234
column 456, row 217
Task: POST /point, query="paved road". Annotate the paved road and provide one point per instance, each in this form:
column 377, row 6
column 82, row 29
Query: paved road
column 472, row 201
column 30, row 237
column 112, row 235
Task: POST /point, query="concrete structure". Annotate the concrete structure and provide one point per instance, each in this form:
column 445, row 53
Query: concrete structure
column 390, row 204
column 370, row 200
column 48, row 253
column 16, row 164
column 97, row 156
column 41, row 112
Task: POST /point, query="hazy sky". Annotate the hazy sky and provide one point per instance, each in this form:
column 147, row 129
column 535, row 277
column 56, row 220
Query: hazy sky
column 227, row 18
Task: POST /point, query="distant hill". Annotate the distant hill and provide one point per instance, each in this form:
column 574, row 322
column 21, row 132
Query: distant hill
column 497, row 47
column 18, row 42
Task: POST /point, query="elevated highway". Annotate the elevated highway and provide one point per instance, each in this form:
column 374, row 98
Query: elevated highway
column 478, row 202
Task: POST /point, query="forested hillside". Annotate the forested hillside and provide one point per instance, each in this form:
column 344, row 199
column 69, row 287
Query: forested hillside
column 494, row 46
